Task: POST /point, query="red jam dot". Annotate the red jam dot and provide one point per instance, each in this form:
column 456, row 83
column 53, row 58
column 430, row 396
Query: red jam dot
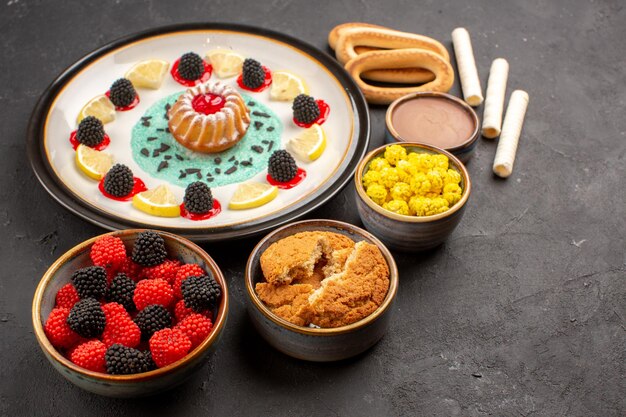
column 266, row 83
column 217, row 208
column 208, row 103
column 324, row 112
column 138, row 187
column 208, row 69
column 300, row 176
column 125, row 108
column 101, row 146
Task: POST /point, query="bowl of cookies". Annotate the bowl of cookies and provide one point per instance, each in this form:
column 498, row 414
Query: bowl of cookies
column 410, row 195
column 321, row 290
column 130, row 313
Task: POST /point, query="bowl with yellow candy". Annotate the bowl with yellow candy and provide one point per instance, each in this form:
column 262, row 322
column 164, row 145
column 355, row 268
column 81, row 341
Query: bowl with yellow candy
column 411, row 196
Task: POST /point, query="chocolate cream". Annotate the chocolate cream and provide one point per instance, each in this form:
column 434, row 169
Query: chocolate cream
column 435, row 121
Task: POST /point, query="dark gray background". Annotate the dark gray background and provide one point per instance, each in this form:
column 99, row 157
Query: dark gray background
column 520, row 312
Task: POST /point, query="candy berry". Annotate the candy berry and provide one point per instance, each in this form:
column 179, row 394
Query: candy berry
column 253, row 74
column 122, row 93
column 181, row 311
column 58, row 331
column 87, row 318
column 183, row 273
column 167, row 271
column 131, row 269
column 200, row 292
column 305, row 109
column 119, row 328
column 149, row 249
column 67, row 296
column 149, row 362
column 90, row 282
column 122, row 290
column 123, row 360
column 90, row 131
column 152, row 319
column 281, row 166
column 168, row 346
column 90, row 355
column 153, row 291
column 197, row 327
column 198, row 198
column 119, row 181
column 190, row 66
column 108, row 252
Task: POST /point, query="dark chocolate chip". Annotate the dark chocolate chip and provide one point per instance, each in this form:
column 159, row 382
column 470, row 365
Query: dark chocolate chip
column 199, row 175
column 151, row 138
column 251, row 103
column 261, row 114
column 270, row 129
column 258, row 125
column 167, row 157
column 179, row 157
column 192, row 170
column 246, row 163
column 164, row 147
column 155, row 153
column 146, row 123
column 182, row 174
column 265, row 141
column 163, row 165
column 231, row 170
column 257, row 148
column 236, row 162
column 210, row 179
column 218, row 171
column 160, row 129
column 145, row 152
column 231, row 159
column 217, row 160
column 269, row 148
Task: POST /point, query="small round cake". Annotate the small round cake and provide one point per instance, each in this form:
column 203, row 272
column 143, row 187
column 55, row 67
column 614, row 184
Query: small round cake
column 209, row 118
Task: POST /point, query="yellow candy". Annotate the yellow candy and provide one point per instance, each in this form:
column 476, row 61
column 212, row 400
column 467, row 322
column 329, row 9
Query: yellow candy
column 436, row 181
column 378, row 164
column 371, row 177
column 452, row 177
column 440, row 161
column 408, row 169
column 395, row 153
column 424, row 206
column 420, row 184
column 452, row 193
column 377, row 193
column 421, row 161
column 397, row 206
column 389, row 176
column 401, row 191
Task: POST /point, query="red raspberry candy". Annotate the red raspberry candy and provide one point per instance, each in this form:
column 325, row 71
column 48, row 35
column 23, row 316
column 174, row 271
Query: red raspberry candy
column 131, row 269
column 108, row 252
column 58, row 331
column 119, row 327
column 153, row 291
column 183, row 273
column 90, row 355
column 168, row 346
column 197, row 327
column 166, row 270
column 67, row 296
column 181, row 311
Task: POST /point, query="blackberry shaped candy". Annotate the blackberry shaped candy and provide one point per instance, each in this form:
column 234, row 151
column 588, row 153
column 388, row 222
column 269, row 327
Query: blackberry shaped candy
column 253, row 74
column 198, row 198
column 122, row 290
column 119, row 181
column 201, row 292
column 305, row 109
column 281, row 166
column 90, row 282
column 149, row 249
column 122, row 360
column 152, row 319
column 87, row 318
column 190, row 66
column 122, row 93
column 90, row 131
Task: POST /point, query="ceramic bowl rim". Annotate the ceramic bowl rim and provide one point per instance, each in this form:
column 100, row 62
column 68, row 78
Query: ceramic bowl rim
column 51, row 351
column 358, row 183
column 331, row 331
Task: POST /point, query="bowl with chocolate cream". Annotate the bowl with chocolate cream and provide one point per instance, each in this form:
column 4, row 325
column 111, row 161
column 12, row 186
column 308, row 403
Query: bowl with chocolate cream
column 436, row 119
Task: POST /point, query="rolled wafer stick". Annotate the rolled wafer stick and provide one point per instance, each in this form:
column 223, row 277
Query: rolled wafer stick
column 494, row 103
column 468, row 74
column 511, row 130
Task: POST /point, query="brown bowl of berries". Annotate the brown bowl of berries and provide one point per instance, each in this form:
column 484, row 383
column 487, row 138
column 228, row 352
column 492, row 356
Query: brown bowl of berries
column 130, row 313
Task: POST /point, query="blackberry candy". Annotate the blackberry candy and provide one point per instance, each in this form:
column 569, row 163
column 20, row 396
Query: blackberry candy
column 90, row 131
column 122, row 360
column 122, row 93
column 190, row 66
column 149, row 361
column 119, row 181
column 90, row 282
column 121, row 291
column 200, row 292
column 152, row 319
column 305, row 109
column 149, row 249
column 253, row 74
column 87, row 318
column 281, row 166
column 198, row 198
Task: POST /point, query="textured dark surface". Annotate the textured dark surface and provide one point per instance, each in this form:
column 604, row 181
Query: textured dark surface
column 521, row 312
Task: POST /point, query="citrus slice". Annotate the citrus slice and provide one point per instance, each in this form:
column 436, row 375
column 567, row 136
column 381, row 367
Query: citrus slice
column 99, row 107
column 310, row 144
column 148, row 74
column 158, row 201
column 226, row 63
column 286, row 86
column 252, row 194
column 93, row 163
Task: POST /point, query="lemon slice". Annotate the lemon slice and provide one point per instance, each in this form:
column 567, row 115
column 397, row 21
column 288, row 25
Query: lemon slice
column 148, row 74
column 158, row 202
column 286, row 86
column 93, row 163
column 310, row 144
column 226, row 63
column 252, row 194
column 100, row 107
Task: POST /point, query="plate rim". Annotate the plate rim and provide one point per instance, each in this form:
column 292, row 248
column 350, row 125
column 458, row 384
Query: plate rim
column 59, row 192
